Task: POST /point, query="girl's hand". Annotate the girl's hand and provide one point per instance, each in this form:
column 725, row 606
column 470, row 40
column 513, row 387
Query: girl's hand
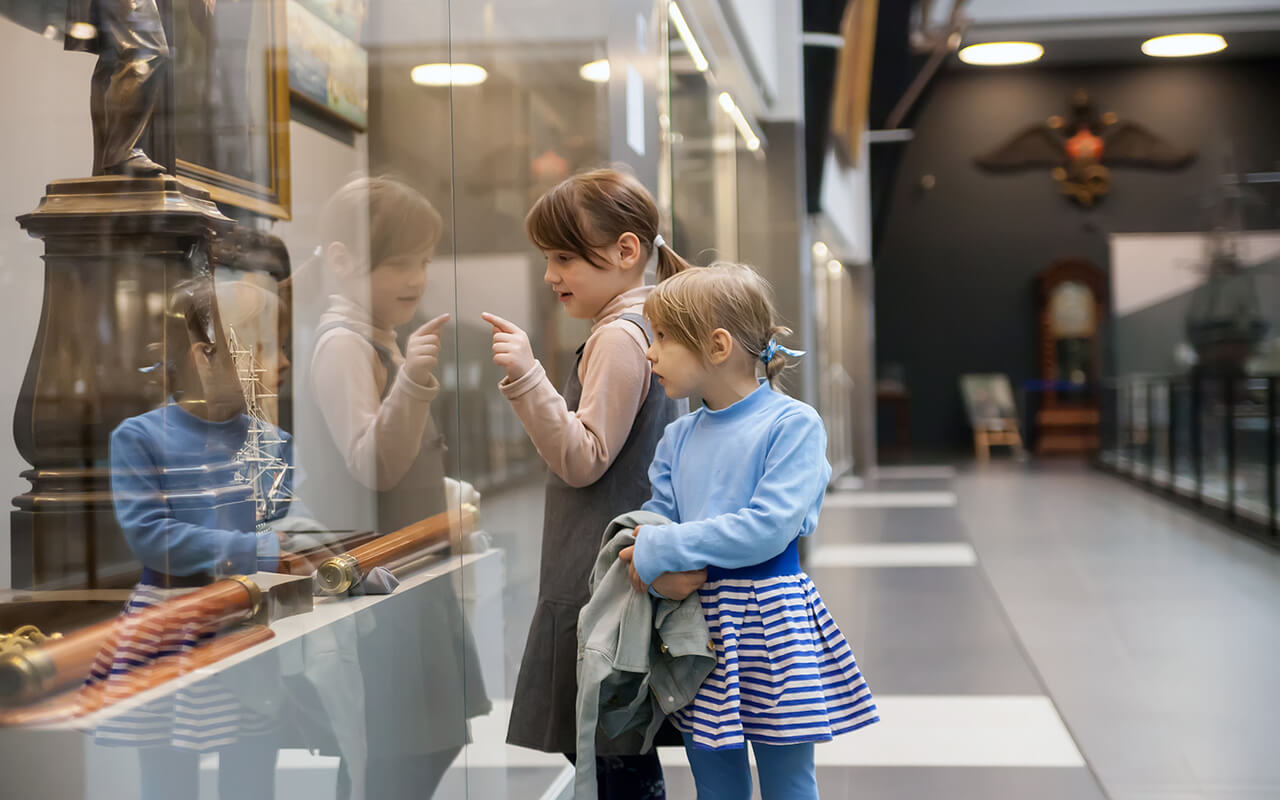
column 627, row 554
column 679, row 585
column 511, row 348
column 422, row 351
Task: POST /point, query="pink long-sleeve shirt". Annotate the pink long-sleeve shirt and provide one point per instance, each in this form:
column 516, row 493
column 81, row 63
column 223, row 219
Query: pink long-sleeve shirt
column 580, row 446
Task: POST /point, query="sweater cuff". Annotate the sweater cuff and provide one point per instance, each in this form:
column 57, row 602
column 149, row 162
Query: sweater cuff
column 416, row 390
column 525, row 383
column 647, row 555
column 268, row 551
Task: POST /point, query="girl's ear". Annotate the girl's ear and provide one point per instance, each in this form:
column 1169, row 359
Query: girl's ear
column 630, row 253
column 339, row 259
column 721, row 346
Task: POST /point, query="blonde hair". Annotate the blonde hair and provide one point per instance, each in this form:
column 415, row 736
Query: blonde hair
column 692, row 305
column 384, row 214
column 588, row 212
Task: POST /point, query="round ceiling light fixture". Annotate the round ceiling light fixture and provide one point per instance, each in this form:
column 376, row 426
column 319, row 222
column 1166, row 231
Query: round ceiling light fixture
column 1184, row 45
column 448, row 74
column 993, row 54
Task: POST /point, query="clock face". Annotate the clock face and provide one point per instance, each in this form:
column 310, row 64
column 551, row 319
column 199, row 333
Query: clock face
column 1072, row 311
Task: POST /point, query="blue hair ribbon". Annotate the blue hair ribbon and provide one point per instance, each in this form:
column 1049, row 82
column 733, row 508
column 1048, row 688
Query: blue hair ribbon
column 772, row 349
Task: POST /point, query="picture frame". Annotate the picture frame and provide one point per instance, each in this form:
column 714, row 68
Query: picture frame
column 231, row 102
column 988, row 399
column 328, row 69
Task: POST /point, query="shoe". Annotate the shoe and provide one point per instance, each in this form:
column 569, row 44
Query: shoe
column 136, row 165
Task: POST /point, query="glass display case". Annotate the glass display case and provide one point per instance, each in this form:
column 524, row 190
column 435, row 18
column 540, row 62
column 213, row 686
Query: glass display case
column 1124, row 427
column 1183, row 416
column 1161, row 434
column 276, row 529
column 1250, row 425
column 1140, row 445
column 1209, row 440
column 1215, row 443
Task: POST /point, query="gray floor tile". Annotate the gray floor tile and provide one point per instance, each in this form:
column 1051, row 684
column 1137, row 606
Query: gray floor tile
column 1155, row 631
column 934, row 630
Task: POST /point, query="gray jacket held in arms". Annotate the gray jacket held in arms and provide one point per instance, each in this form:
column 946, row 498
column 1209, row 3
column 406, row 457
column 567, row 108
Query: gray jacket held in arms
column 628, row 678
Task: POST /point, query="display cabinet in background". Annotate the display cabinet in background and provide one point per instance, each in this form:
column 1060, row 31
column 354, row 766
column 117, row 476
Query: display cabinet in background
column 1207, row 440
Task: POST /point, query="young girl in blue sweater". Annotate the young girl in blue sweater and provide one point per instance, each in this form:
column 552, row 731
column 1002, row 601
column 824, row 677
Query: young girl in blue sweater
column 743, row 479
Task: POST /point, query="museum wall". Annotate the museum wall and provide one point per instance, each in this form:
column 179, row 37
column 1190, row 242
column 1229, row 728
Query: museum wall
column 53, row 140
column 957, row 263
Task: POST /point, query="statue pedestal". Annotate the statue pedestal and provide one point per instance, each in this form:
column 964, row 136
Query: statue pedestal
column 114, row 248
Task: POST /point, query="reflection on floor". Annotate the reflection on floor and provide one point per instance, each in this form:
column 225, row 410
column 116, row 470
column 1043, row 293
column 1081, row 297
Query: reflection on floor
column 1048, row 633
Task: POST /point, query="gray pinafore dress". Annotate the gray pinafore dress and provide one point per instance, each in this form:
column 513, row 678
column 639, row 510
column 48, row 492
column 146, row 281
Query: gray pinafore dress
column 419, row 667
column 543, row 715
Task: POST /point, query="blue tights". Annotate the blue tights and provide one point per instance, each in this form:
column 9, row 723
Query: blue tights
column 786, row 772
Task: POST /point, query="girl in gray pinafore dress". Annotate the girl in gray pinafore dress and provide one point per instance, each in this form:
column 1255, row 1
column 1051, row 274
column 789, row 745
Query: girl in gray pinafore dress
column 599, row 232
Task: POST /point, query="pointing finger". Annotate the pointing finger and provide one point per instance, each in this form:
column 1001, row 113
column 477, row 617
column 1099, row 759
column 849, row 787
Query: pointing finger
column 432, row 326
column 500, row 323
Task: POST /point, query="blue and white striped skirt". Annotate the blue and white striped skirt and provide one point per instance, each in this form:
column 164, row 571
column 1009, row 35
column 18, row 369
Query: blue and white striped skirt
column 203, row 717
column 785, row 674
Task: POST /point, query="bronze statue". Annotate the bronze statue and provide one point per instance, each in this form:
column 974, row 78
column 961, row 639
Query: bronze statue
column 1080, row 147
column 128, row 36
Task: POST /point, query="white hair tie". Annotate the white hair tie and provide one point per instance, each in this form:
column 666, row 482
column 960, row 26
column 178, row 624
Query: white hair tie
column 658, row 241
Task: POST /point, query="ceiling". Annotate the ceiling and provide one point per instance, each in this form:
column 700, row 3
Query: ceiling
column 1110, row 31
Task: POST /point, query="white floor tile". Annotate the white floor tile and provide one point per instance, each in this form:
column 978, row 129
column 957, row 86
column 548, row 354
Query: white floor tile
column 950, row 731
column 939, row 472
column 949, row 554
column 848, row 483
column 890, row 500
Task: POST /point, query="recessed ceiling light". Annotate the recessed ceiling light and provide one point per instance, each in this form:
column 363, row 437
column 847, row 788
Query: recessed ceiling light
column 448, row 74
column 820, row 250
column 595, row 71
column 835, row 267
column 1182, row 45
column 990, row 54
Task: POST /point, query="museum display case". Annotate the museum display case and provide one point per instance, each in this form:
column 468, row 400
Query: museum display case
column 1208, row 440
column 275, row 530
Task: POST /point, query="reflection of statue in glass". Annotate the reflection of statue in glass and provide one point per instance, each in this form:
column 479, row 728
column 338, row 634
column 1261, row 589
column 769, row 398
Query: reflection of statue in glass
column 128, row 37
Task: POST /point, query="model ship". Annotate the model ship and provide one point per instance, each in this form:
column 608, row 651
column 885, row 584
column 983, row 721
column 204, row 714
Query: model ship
column 259, row 460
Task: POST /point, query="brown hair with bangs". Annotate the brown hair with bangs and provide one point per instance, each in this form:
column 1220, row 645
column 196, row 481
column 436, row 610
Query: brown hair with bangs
column 693, row 304
column 587, row 213
column 385, row 214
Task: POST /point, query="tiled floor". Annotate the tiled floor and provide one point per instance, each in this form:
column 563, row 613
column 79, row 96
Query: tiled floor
column 1029, row 633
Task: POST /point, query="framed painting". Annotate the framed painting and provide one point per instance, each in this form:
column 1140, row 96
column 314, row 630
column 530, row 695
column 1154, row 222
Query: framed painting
column 231, row 101
column 988, row 399
column 328, row 69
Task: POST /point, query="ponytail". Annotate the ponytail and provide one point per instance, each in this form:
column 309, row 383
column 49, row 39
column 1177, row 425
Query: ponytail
column 776, row 365
column 670, row 263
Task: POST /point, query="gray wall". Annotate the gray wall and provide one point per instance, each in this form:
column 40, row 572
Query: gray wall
column 956, row 265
